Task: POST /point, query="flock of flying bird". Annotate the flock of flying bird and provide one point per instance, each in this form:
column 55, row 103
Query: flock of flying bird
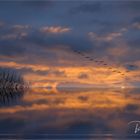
column 102, row 63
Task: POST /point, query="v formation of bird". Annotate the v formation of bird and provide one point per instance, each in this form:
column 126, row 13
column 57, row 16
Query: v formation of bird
column 101, row 63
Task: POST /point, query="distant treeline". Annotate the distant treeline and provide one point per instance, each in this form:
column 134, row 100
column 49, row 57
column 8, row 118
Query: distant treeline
column 12, row 85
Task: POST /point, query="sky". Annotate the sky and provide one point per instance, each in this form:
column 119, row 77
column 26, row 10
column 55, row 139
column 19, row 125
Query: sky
column 42, row 39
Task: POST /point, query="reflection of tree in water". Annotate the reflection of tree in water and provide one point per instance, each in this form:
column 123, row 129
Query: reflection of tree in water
column 12, row 86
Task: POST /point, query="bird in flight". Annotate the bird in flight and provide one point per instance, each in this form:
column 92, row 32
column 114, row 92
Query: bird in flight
column 99, row 62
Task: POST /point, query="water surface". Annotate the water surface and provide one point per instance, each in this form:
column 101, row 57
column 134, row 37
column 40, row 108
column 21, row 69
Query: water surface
column 76, row 113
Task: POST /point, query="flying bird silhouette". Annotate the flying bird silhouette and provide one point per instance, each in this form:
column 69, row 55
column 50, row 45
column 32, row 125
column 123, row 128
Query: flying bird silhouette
column 99, row 62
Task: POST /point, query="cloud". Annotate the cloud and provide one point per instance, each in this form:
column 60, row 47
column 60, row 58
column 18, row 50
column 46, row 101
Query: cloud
column 111, row 25
column 54, row 29
column 14, row 32
column 43, row 51
column 106, row 37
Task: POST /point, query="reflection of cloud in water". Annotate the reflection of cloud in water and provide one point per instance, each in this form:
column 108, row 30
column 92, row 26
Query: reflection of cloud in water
column 88, row 112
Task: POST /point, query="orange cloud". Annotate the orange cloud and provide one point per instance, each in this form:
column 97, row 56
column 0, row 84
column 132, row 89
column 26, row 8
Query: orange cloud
column 54, row 29
column 68, row 69
column 96, row 76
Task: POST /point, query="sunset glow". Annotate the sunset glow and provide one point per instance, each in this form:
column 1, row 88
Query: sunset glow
column 69, row 69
